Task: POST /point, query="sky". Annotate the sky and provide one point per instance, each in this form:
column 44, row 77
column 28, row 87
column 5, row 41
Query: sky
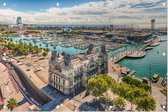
column 90, row 12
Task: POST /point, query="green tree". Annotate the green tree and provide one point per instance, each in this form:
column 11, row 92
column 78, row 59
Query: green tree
column 119, row 102
column 136, row 83
column 25, row 52
column 30, row 44
column 12, row 103
column 111, row 82
column 47, row 45
column 37, row 50
column 54, row 47
column 63, row 53
column 108, row 79
column 34, row 42
column 47, row 50
column 11, row 39
column 97, row 86
column 145, row 103
column 122, row 89
column 45, row 54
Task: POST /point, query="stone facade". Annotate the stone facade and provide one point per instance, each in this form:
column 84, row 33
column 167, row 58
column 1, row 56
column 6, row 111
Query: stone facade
column 69, row 73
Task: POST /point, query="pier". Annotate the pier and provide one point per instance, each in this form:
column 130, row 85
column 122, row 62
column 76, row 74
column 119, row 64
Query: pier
column 136, row 53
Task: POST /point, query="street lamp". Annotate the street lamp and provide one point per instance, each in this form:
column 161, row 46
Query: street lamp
column 150, row 74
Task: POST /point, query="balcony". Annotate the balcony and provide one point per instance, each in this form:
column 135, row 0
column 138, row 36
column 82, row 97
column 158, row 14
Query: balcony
column 58, row 73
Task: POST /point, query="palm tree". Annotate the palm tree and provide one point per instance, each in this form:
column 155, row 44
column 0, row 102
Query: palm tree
column 45, row 54
column 47, row 45
column 34, row 42
column 12, row 103
column 54, row 47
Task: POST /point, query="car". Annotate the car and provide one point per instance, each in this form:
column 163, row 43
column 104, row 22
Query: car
column 28, row 69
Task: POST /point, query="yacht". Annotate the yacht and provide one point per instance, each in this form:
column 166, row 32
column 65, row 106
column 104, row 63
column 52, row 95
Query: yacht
column 155, row 44
column 148, row 48
column 155, row 77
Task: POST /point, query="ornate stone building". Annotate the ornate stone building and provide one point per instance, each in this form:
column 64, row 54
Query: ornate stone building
column 69, row 73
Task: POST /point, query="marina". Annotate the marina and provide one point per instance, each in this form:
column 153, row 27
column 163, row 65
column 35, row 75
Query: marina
column 137, row 54
column 118, row 52
column 71, row 46
column 84, row 55
column 154, row 58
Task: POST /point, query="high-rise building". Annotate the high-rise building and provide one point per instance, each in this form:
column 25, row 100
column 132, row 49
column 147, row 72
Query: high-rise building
column 152, row 24
column 69, row 73
column 19, row 20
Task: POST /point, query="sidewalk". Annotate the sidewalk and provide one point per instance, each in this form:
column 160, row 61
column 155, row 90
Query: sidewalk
column 10, row 90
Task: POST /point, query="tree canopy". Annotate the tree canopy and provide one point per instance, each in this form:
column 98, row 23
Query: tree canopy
column 135, row 82
column 145, row 103
column 97, row 86
column 119, row 102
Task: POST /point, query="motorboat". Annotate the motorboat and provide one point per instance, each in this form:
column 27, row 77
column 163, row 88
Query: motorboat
column 155, row 77
column 155, row 44
column 148, row 48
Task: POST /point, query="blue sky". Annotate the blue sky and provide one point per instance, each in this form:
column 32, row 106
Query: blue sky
column 137, row 12
column 37, row 5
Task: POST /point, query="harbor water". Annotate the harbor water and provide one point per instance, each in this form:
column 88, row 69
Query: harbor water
column 154, row 58
column 59, row 49
column 155, row 61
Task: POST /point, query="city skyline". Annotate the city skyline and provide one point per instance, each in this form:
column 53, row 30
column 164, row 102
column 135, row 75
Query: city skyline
column 96, row 12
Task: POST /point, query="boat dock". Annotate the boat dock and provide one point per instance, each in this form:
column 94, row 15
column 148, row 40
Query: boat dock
column 160, row 81
column 124, row 54
column 131, row 73
column 136, row 53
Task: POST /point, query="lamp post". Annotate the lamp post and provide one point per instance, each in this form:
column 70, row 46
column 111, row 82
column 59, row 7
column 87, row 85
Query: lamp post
column 150, row 74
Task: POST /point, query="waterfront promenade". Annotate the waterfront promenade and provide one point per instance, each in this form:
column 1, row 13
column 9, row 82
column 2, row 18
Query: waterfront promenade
column 135, row 53
column 11, row 90
column 114, row 70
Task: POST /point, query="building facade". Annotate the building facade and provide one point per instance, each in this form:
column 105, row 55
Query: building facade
column 68, row 73
column 19, row 20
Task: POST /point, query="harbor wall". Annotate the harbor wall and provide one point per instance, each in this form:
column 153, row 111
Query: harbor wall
column 40, row 96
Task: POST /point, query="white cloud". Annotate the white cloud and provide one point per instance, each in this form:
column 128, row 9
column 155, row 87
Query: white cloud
column 107, row 12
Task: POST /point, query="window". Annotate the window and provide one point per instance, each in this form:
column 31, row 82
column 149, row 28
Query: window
column 63, row 81
column 70, row 82
column 55, row 85
column 74, row 79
